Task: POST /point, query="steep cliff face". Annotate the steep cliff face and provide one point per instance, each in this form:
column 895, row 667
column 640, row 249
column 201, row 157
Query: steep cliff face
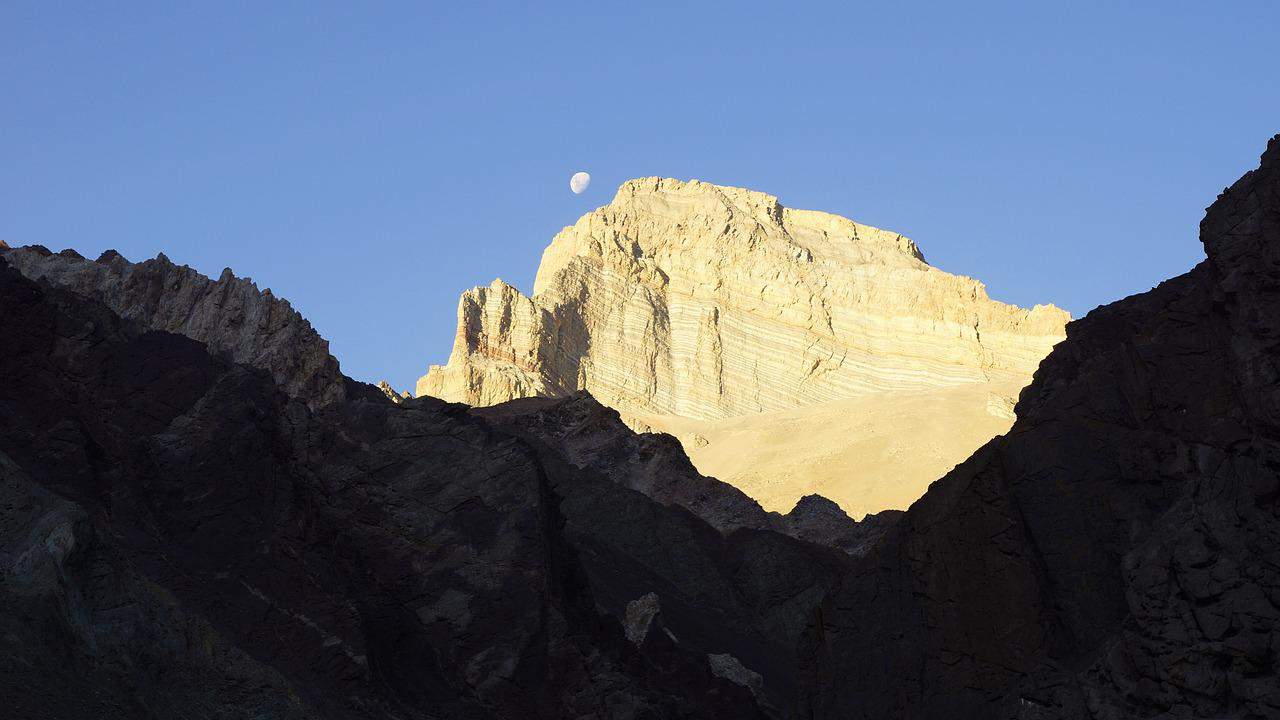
column 229, row 314
column 1115, row 555
column 684, row 302
column 708, row 302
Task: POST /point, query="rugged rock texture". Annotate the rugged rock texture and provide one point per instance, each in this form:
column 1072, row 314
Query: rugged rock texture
column 590, row 435
column 706, row 302
column 819, row 520
column 693, row 302
column 390, row 392
column 230, row 314
column 157, row 294
column 1117, row 554
column 180, row 537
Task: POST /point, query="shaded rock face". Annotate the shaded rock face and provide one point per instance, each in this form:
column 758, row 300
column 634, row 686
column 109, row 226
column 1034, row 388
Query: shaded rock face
column 229, row 314
column 818, row 520
column 590, row 435
column 183, row 538
column 1117, row 553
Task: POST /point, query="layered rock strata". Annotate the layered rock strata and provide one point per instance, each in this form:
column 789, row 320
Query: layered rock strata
column 707, row 302
column 690, row 301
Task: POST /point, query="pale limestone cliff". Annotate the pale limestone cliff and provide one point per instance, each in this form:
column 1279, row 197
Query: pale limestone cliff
column 690, row 301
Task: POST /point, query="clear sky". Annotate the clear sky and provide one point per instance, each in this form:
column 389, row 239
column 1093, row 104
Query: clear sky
column 369, row 161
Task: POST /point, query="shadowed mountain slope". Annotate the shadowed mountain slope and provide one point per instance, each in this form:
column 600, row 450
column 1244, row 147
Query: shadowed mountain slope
column 183, row 536
column 1117, row 553
column 229, row 314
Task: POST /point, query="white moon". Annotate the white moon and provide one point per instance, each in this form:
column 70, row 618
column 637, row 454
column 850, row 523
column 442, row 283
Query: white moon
column 579, row 182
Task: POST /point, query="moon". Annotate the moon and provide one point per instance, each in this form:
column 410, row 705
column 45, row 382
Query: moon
column 579, row 182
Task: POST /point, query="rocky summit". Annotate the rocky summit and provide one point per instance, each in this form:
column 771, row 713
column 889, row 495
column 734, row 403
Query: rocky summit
column 188, row 531
column 229, row 314
column 747, row 329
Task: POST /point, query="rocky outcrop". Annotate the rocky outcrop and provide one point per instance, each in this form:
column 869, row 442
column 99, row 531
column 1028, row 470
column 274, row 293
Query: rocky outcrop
column 390, row 392
column 706, row 302
column 819, row 520
column 590, row 435
column 229, row 314
column 1115, row 555
column 689, row 301
column 181, row 537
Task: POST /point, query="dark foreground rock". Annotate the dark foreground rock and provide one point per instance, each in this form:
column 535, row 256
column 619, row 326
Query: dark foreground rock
column 591, row 435
column 183, row 538
column 1117, row 553
column 229, row 314
column 183, row 535
column 243, row 324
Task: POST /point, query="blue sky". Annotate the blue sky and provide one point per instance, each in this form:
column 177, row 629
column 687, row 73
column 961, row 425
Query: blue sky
column 371, row 161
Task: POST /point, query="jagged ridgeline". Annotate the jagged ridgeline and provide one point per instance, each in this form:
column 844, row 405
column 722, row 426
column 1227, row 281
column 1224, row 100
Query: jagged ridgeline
column 188, row 530
column 790, row 351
